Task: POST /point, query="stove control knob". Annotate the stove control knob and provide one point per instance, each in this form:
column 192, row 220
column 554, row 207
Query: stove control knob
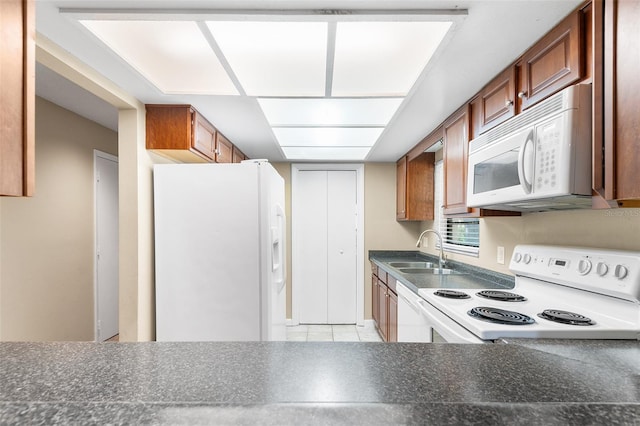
column 620, row 272
column 517, row 257
column 527, row 258
column 602, row 269
column 584, row 266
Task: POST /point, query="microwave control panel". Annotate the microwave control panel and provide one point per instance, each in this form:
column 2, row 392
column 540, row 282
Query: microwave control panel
column 548, row 149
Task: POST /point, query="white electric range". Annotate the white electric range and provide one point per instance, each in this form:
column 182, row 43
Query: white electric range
column 559, row 292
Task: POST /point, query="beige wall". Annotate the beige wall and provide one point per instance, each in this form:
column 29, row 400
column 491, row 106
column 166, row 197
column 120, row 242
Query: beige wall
column 47, row 241
column 615, row 229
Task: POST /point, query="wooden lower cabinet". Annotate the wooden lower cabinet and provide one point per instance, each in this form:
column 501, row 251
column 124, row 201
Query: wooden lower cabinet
column 392, row 322
column 383, row 324
column 375, row 297
column 384, row 304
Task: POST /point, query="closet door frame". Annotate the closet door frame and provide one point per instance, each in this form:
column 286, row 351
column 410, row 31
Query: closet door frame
column 360, row 255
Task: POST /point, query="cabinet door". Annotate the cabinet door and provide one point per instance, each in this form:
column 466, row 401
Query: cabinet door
column 496, row 102
column 375, row 300
column 224, row 149
column 552, row 63
column 383, row 324
column 414, row 188
column 393, row 317
column 401, row 189
column 204, row 136
column 456, row 146
column 17, row 91
column 621, row 180
column 238, row 156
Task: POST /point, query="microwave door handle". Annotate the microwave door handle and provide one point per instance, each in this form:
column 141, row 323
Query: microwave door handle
column 524, row 163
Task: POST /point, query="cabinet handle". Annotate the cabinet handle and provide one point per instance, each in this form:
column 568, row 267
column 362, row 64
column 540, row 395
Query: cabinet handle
column 508, row 103
column 522, row 94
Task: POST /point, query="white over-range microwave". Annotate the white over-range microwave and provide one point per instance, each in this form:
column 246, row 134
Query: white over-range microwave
column 538, row 160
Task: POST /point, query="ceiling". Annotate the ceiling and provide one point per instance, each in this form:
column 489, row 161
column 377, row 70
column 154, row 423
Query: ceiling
column 485, row 38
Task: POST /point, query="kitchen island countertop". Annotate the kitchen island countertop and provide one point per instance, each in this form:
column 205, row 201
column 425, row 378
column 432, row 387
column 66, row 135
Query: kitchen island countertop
column 314, row 383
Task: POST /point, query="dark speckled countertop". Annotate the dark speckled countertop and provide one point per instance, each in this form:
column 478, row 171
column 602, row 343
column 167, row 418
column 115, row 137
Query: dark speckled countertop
column 314, row 383
column 470, row 276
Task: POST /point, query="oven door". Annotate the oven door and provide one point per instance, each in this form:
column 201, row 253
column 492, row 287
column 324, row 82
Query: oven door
column 502, row 171
column 443, row 329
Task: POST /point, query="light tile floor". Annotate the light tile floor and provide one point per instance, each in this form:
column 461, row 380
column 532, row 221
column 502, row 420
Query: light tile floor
column 332, row 333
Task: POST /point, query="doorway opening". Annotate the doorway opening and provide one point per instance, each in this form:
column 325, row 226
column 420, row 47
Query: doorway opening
column 106, row 246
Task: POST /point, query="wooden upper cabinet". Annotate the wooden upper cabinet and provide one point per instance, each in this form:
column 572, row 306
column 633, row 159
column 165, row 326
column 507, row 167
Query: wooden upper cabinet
column 17, row 91
column 456, row 148
column 204, row 136
column 495, row 103
column 224, row 149
column 553, row 63
column 179, row 132
column 401, row 189
column 616, row 146
column 238, row 156
column 182, row 133
column 414, row 188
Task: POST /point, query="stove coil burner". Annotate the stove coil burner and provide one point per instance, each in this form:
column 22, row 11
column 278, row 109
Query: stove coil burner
column 503, row 296
column 452, row 294
column 565, row 317
column 500, row 316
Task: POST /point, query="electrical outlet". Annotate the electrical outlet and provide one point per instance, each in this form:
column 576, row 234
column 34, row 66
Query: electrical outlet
column 500, row 256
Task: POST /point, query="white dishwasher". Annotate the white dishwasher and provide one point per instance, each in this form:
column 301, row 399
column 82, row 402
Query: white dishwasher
column 412, row 325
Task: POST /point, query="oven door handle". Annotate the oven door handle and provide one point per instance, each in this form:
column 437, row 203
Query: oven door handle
column 453, row 333
column 525, row 166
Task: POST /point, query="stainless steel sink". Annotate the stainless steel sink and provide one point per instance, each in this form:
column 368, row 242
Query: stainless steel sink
column 421, row 265
column 432, row 271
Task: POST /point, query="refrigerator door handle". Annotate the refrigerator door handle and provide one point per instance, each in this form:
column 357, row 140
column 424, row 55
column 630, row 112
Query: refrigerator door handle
column 277, row 247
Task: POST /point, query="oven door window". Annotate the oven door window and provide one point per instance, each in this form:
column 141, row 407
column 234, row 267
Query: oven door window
column 497, row 172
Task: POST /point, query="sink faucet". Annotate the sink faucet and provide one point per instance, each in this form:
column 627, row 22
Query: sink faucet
column 442, row 259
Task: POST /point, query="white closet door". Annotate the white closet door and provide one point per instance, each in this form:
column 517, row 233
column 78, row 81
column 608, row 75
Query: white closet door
column 341, row 240
column 311, row 242
column 325, row 245
column 106, row 216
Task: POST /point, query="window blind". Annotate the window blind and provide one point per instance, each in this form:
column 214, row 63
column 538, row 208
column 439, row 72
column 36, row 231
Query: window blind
column 461, row 235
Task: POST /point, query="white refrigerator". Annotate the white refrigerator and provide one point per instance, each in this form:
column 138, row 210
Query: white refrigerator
column 219, row 252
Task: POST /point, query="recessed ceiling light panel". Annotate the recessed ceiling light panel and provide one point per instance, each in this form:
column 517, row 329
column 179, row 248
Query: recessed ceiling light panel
column 383, row 58
column 326, row 153
column 329, row 112
column 275, row 58
column 173, row 55
column 326, row 136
